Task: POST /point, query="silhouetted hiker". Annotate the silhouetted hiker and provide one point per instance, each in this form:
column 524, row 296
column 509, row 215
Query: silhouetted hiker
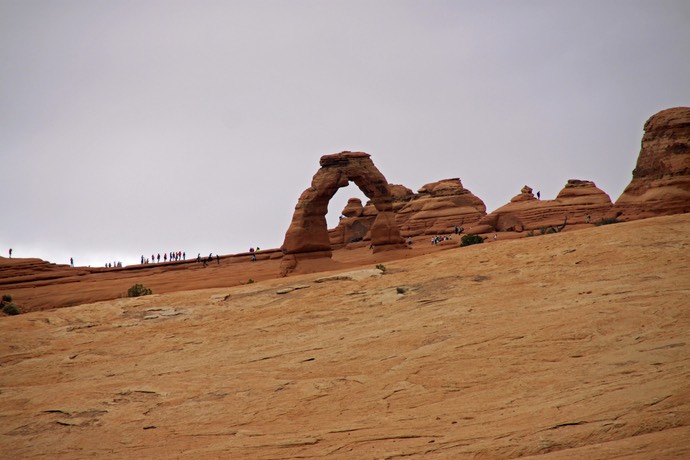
column 184, row 256
column 218, row 258
column 159, row 257
column 538, row 195
column 198, row 257
column 210, row 257
column 71, row 261
column 456, row 230
column 10, row 253
column 588, row 218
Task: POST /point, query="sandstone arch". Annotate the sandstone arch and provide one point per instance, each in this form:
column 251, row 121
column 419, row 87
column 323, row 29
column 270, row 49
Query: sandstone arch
column 308, row 232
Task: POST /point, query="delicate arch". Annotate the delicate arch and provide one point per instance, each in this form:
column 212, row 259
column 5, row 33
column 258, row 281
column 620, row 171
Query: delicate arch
column 308, row 232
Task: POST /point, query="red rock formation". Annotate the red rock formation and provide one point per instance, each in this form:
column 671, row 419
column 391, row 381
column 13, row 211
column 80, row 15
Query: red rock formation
column 354, row 225
column 576, row 201
column 661, row 179
column 308, row 235
column 438, row 208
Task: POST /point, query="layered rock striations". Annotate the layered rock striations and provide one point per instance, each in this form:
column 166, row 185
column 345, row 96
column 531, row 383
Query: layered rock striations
column 438, row 207
column 661, row 180
column 580, row 201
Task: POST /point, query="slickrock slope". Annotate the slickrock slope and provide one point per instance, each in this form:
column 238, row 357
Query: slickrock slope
column 576, row 201
column 573, row 345
column 661, row 179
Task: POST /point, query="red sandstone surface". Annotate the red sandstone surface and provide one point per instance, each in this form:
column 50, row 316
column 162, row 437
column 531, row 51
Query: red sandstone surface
column 564, row 346
column 661, row 179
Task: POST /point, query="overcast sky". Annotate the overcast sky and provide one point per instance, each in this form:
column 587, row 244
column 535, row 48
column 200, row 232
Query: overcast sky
column 138, row 127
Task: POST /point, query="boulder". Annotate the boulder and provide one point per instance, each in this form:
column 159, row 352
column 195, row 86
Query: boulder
column 661, row 179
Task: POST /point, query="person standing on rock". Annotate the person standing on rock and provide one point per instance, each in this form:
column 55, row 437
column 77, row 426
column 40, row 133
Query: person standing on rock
column 10, row 253
column 71, row 261
column 538, row 195
column 218, row 258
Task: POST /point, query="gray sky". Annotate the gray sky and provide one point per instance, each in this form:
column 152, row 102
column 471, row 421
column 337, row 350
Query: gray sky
column 134, row 127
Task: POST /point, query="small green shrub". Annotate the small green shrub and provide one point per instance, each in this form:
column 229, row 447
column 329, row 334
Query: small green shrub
column 381, row 267
column 401, row 290
column 607, row 221
column 10, row 309
column 6, row 298
column 251, row 281
column 469, row 240
column 138, row 290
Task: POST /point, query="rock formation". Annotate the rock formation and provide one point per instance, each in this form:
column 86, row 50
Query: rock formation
column 307, row 235
column 354, row 225
column 576, row 201
column 438, row 207
column 661, row 179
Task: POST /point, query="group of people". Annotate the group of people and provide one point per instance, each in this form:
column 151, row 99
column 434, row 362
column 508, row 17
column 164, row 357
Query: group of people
column 439, row 238
column 107, row 265
column 172, row 256
column 207, row 260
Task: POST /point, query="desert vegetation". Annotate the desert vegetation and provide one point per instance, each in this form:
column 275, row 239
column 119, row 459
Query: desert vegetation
column 138, row 290
column 469, row 240
column 7, row 306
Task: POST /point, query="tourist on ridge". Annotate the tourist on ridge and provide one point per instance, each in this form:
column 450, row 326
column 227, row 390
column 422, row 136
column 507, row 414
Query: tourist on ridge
column 218, row 258
column 538, row 195
column 10, row 253
column 71, row 261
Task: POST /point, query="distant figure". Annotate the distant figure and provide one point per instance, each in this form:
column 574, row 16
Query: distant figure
column 159, row 257
column 456, row 230
column 538, row 195
column 165, row 257
column 71, row 261
column 218, row 258
column 142, row 259
column 588, row 217
column 495, row 236
column 198, row 257
column 10, row 253
column 462, row 229
column 409, row 241
column 184, row 256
